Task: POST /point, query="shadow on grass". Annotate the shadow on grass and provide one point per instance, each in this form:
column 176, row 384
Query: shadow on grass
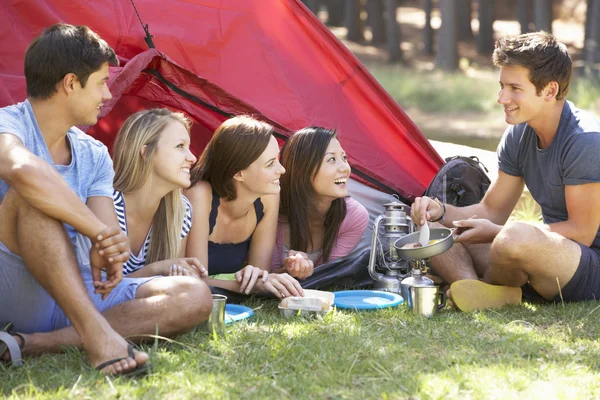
column 350, row 355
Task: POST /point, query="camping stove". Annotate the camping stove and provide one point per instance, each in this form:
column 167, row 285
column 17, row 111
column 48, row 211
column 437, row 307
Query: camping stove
column 385, row 265
column 391, row 262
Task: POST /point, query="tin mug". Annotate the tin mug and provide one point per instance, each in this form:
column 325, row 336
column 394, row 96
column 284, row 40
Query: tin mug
column 216, row 319
column 426, row 300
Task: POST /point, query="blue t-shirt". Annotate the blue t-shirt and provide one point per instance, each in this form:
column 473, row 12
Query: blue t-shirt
column 571, row 159
column 90, row 172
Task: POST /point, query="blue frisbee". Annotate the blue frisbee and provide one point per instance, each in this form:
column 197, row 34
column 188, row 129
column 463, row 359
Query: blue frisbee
column 236, row 312
column 366, row 299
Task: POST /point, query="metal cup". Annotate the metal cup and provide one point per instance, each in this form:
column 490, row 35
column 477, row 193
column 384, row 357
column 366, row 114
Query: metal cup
column 216, row 320
column 426, row 300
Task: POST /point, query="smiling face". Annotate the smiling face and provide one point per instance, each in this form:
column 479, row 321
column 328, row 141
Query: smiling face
column 85, row 102
column 519, row 96
column 334, row 171
column 262, row 176
column 173, row 159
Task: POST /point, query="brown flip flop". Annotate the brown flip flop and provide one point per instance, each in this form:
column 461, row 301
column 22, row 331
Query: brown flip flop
column 140, row 370
column 470, row 295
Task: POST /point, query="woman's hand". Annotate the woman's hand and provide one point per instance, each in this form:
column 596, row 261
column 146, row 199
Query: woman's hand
column 298, row 265
column 281, row 285
column 248, row 276
column 189, row 266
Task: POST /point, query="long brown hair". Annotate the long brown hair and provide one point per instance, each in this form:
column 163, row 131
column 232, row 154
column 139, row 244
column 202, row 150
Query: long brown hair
column 302, row 156
column 132, row 170
column 236, row 144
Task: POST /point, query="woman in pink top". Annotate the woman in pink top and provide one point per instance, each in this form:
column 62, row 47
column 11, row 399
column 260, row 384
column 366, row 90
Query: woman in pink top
column 318, row 222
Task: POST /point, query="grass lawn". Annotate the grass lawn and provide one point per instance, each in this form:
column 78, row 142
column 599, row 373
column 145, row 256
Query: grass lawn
column 530, row 351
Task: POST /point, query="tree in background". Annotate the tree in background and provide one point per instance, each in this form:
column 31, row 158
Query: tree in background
column 591, row 47
column 456, row 24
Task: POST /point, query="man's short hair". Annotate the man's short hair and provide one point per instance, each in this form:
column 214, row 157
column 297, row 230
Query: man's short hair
column 63, row 49
column 546, row 59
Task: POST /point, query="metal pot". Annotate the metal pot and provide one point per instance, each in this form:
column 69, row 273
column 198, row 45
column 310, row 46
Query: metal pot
column 444, row 235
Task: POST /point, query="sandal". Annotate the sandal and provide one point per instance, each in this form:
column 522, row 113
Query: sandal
column 469, row 295
column 8, row 342
column 140, row 370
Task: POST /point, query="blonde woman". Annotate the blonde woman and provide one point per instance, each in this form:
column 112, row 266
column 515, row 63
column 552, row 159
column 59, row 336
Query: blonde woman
column 152, row 162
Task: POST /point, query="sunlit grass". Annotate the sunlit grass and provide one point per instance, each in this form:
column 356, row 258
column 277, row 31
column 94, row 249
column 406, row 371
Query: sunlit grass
column 534, row 351
column 473, row 91
column 527, row 210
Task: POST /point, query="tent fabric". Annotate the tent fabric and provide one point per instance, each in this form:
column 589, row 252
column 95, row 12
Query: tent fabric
column 270, row 58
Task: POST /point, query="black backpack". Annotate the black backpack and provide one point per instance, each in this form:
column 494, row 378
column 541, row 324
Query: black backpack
column 461, row 181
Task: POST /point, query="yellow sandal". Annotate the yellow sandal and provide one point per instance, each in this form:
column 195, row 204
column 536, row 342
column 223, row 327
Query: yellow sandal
column 469, row 295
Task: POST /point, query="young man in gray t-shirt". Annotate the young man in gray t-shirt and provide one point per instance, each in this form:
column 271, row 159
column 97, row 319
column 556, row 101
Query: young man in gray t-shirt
column 552, row 147
column 56, row 184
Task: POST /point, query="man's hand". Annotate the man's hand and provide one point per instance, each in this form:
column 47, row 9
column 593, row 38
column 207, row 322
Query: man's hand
column 298, row 265
column 474, row 230
column 425, row 209
column 112, row 244
column 114, row 273
column 110, row 249
column 248, row 276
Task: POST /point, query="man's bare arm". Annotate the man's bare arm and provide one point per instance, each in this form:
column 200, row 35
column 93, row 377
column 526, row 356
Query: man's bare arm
column 113, row 252
column 497, row 204
column 584, row 214
column 38, row 183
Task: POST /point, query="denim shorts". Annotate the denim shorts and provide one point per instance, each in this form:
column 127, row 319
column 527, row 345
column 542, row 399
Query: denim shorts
column 25, row 303
column 584, row 285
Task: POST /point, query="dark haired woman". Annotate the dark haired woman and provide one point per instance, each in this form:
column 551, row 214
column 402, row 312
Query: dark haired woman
column 235, row 198
column 318, row 222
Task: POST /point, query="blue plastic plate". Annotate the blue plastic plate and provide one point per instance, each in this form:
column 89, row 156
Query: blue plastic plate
column 366, row 299
column 236, row 312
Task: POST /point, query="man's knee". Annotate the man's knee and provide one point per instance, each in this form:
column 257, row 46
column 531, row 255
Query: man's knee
column 17, row 215
column 15, row 207
column 190, row 298
column 510, row 245
column 194, row 300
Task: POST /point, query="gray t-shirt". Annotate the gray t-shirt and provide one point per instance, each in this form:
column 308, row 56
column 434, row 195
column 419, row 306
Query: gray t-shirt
column 90, row 172
column 571, row 159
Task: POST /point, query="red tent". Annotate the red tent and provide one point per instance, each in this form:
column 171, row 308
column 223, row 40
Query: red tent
column 215, row 58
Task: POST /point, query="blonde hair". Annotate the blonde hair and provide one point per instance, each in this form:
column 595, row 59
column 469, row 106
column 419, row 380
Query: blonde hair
column 132, row 170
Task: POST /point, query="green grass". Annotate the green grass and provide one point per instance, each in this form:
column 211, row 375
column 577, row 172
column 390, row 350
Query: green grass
column 474, row 91
column 527, row 210
column 436, row 91
column 529, row 351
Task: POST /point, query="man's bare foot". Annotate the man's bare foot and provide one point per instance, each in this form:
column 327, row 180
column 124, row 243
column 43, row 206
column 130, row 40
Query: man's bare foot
column 109, row 345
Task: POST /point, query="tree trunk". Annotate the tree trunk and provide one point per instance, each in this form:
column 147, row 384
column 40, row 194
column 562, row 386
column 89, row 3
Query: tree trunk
column 542, row 15
column 376, row 21
column 465, row 33
column 335, row 12
column 353, row 22
column 447, row 54
column 428, row 32
column 591, row 47
column 313, row 5
column 393, row 31
column 485, row 38
column 524, row 15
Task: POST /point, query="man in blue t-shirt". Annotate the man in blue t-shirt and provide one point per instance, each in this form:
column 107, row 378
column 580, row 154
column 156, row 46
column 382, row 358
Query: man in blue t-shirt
column 55, row 187
column 552, row 147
